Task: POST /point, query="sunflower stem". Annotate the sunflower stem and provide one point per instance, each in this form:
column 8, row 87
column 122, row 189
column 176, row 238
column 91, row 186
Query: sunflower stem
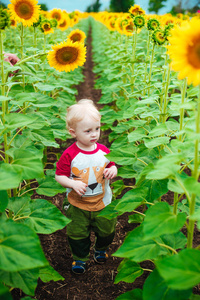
column 150, row 68
column 3, row 93
column 183, row 93
column 195, row 175
column 22, row 56
column 164, row 117
column 146, row 63
column 133, row 57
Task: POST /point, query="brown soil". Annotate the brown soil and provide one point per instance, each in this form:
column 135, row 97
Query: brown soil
column 98, row 281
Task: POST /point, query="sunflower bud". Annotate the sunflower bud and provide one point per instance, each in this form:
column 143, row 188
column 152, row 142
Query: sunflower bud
column 159, row 37
column 46, row 26
column 167, row 29
column 4, row 19
column 54, row 23
column 153, row 24
column 139, row 21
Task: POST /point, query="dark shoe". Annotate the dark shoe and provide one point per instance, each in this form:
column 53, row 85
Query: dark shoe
column 78, row 267
column 100, row 256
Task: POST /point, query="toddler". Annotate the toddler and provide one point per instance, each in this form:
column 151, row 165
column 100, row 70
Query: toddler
column 85, row 171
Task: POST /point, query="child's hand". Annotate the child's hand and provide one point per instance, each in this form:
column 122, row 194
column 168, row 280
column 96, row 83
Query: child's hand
column 11, row 58
column 79, row 187
column 110, row 173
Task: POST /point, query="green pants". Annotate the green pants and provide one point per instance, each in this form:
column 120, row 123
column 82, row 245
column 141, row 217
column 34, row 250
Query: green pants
column 78, row 231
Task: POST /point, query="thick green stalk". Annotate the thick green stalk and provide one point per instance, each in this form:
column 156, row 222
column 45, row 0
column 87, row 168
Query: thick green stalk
column 195, row 174
column 146, row 63
column 165, row 102
column 183, row 92
column 150, row 68
column 133, row 58
column 22, row 56
column 3, row 92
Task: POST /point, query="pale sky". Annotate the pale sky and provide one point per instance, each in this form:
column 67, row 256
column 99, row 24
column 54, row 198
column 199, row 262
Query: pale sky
column 71, row 5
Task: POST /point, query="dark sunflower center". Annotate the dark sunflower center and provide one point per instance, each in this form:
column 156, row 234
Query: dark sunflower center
column 76, row 37
column 46, row 26
column 66, row 55
column 194, row 53
column 63, row 24
column 129, row 28
column 160, row 36
column 56, row 16
column 24, row 10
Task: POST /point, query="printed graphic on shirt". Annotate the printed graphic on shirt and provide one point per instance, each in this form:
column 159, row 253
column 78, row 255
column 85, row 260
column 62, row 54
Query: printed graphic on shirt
column 93, row 177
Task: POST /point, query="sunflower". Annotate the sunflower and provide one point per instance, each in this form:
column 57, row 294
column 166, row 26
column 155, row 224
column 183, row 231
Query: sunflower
column 77, row 36
column 159, row 37
column 184, row 50
column 139, row 21
column 4, row 19
column 128, row 28
column 57, row 14
column 13, row 22
column 65, row 23
column 25, row 11
column 153, row 24
column 136, row 10
column 67, row 56
column 46, row 27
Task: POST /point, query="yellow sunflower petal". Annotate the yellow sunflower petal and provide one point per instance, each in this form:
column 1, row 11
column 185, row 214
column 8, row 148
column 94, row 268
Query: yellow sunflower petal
column 25, row 11
column 67, row 56
column 77, row 36
column 184, row 50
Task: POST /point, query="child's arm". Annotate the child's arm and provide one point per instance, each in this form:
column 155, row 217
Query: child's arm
column 77, row 185
column 110, row 173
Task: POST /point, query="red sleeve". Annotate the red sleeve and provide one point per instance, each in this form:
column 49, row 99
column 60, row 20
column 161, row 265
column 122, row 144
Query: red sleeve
column 63, row 166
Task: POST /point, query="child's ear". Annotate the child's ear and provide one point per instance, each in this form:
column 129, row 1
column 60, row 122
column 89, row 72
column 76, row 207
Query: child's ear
column 72, row 132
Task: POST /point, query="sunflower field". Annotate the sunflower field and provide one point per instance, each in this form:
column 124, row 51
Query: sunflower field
column 148, row 70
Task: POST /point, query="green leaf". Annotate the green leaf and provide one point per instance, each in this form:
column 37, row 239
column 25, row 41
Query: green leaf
column 30, row 166
column 155, row 142
column 126, row 172
column 25, row 280
column 123, row 156
column 3, row 200
column 117, row 187
column 44, row 87
column 128, row 271
column 158, row 130
column 135, row 218
column 176, row 240
column 4, row 293
column 44, row 136
column 135, row 294
column 156, row 188
column 19, row 248
column 41, row 216
column 155, row 287
column 48, row 273
column 9, row 177
column 16, row 120
column 109, row 212
column 181, row 271
column 160, row 220
column 136, row 248
column 49, row 187
column 137, row 135
column 131, row 200
column 166, row 166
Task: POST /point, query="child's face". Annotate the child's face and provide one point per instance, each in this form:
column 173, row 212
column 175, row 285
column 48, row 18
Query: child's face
column 87, row 133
